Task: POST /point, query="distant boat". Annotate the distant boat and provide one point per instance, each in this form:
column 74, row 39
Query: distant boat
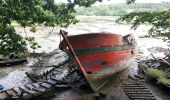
column 102, row 54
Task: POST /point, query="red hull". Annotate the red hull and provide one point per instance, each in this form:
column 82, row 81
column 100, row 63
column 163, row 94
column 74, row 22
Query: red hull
column 98, row 61
column 98, row 51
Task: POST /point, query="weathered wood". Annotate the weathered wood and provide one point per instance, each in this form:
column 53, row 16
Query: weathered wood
column 12, row 62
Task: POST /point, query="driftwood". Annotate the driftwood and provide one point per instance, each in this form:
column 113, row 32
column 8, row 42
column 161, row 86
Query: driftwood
column 12, row 62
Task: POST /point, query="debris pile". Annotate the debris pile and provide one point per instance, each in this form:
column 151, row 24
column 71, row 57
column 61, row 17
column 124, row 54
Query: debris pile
column 61, row 73
column 137, row 90
column 157, row 69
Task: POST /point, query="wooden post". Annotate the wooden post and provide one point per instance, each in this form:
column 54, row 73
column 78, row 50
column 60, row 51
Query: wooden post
column 63, row 33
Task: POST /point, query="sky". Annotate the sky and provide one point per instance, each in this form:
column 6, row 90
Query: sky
column 123, row 1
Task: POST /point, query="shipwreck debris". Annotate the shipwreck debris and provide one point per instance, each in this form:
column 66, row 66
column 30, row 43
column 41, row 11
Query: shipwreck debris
column 30, row 90
column 157, row 69
column 36, row 89
column 12, row 62
column 137, row 90
column 63, row 73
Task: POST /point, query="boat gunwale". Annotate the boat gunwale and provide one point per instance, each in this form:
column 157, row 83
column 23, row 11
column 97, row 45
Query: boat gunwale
column 95, row 33
column 80, row 52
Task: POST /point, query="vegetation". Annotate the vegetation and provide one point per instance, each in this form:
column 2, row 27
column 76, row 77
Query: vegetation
column 156, row 73
column 160, row 75
column 165, row 81
column 120, row 9
column 29, row 13
column 159, row 19
column 103, row 10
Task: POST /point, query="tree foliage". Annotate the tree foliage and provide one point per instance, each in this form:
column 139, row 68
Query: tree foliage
column 160, row 21
column 103, row 10
column 9, row 41
column 120, row 9
column 30, row 12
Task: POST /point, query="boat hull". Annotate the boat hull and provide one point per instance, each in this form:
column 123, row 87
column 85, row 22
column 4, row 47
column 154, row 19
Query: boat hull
column 111, row 69
column 102, row 54
column 102, row 66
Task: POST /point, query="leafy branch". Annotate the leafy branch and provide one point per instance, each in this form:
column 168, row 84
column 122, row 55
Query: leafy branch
column 160, row 22
column 31, row 12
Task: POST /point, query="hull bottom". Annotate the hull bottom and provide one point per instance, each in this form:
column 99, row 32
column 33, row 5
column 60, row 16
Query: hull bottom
column 101, row 77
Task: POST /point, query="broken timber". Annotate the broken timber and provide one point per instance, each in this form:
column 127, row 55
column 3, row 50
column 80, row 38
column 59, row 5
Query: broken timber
column 12, row 62
column 30, row 90
column 45, row 82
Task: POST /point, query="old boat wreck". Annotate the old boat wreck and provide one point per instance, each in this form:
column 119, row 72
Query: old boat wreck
column 100, row 55
column 94, row 58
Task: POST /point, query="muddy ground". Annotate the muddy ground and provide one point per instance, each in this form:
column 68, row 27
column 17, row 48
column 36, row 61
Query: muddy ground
column 113, row 90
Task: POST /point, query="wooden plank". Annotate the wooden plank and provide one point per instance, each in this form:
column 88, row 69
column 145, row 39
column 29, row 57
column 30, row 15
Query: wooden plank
column 11, row 92
column 3, row 95
column 16, row 89
column 52, row 82
column 46, row 85
column 25, row 90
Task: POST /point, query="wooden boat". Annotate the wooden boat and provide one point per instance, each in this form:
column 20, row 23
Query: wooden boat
column 101, row 54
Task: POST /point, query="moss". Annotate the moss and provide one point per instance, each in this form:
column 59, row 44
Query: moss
column 142, row 65
column 156, row 73
column 164, row 81
column 160, row 75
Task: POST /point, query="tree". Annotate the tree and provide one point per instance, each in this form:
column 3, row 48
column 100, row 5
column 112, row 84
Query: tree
column 30, row 12
column 160, row 21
